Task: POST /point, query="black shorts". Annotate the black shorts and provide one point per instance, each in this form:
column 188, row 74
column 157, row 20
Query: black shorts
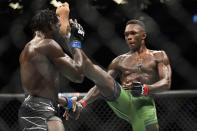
column 35, row 112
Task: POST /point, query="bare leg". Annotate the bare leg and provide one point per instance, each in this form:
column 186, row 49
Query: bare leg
column 55, row 126
column 102, row 79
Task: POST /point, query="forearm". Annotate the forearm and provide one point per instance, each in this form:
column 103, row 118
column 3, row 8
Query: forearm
column 78, row 59
column 161, row 85
column 165, row 74
column 92, row 95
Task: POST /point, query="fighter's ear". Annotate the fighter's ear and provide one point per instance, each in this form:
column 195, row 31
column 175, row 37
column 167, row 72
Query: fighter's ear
column 144, row 35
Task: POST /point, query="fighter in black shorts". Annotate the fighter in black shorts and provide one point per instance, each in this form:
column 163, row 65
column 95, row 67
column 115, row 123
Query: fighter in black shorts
column 41, row 61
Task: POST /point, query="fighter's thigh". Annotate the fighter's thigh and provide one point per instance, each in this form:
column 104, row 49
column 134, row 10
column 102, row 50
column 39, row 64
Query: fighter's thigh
column 123, row 105
column 102, row 80
column 55, row 125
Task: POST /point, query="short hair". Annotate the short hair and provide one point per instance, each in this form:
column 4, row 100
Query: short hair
column 43, row 18
column 138, row 22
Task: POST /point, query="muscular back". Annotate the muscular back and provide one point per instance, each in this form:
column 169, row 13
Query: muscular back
column 38, row 74
column 142, row 68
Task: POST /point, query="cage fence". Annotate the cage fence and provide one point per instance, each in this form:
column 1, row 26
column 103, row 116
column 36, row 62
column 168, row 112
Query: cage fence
column 176, row 111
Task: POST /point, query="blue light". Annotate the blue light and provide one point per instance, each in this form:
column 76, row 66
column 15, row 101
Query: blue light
column 195, row 18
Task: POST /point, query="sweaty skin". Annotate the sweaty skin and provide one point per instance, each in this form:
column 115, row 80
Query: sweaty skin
column 148, row 68
column 138, row 65
column 141, row 64
column 38, row 74
column 41, row 61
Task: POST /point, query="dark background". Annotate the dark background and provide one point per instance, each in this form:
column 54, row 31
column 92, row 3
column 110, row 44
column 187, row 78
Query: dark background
column 169, row 23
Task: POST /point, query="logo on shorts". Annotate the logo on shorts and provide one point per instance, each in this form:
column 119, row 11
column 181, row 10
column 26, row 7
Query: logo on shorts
column 157, row 126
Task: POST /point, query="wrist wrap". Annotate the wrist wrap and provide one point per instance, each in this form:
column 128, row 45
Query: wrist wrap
column 69, row 103
column 75, row 44
column 83, row 103
column 146, row 90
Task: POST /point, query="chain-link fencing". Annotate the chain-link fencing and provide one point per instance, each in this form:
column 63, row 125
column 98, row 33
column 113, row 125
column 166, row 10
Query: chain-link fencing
column 176, row 110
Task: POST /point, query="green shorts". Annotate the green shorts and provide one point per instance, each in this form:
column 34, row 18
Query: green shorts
column 138, row 111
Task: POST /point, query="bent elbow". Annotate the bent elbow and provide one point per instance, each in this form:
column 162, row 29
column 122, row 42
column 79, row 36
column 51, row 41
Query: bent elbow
column 167, row 85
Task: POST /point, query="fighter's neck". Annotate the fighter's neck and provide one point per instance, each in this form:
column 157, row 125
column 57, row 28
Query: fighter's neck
column 42, row 35
column 39, row 34
column 141, row 50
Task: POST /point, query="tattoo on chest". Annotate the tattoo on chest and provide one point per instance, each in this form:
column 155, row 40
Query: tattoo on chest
column 139, row 63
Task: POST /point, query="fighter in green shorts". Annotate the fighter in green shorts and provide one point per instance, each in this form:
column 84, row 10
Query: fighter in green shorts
column 141, row 72
column 138, row 111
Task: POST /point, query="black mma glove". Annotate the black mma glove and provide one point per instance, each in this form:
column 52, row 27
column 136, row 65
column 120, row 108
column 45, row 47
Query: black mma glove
column 77, row 34
column 139, row 89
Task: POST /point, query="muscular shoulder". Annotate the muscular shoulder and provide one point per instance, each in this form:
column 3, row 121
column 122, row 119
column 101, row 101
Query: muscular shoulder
column 116, row 61
column 50, row 48
column 119, row 59
column 47, row 44
column 160, row 56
